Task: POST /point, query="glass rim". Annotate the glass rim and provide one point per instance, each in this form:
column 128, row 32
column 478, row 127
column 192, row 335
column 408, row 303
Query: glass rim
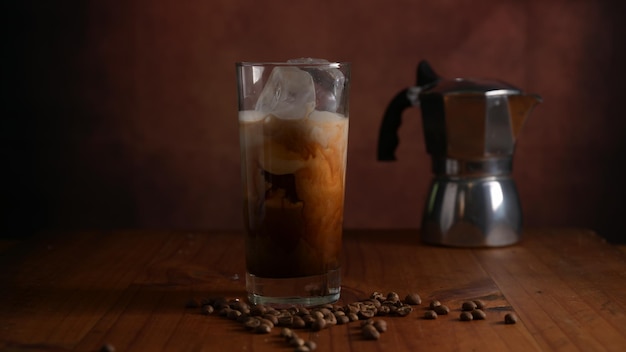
column 331, row 64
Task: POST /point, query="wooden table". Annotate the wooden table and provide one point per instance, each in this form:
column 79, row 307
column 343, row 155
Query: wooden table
column 81, row 290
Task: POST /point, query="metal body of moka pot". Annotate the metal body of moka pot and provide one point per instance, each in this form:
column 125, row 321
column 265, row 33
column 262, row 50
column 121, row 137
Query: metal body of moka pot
column 470, row 128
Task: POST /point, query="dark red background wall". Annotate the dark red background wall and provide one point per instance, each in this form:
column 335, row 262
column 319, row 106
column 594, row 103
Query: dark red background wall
column 122, row 114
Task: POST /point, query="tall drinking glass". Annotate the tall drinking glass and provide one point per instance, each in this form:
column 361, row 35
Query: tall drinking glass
column 293, row 120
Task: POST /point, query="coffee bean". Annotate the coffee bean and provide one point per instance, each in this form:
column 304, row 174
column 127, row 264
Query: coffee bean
column 413, row 299
column 258, row 310
column 377, row 296
column 241, row 306
column 296, row 341
column 393, row 297
column 285, row 320
column 380, row 325
column 370, row 333
column 466, row 316
column 308, row 319
column 430, row 314
column 224, row 311
column 207, row 309
column 480, row 304
column 343, row 319
column 303, row 311
column 442, row 309
column 373, row 303
column 318, row 324
column 302, row 348
column 367, row 313
column 468, row 306
column 287, row 333
column 271, row 317
column 251, row 323
column 311, row 345
column 107, row 347
column 510, row 318
column 243, row 318
column 383, row 310
column 219, row 303
column 263, row 329
column 317, row 314
column 367, row 322
column 233, row 314
column 298, row 323
column 353, row 316
column 434, row 303
column 404, row 311
column 479, row 314
column 267, row 322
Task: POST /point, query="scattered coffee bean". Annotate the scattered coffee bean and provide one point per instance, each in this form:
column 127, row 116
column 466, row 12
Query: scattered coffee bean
column 370, row 333
column 478, row 314
column 442, row 309
column 367, row 322
column 367, row 313
column 285, row 319
column 403, row 311
column 468, row 306
column 207, row 309
column 298, row 323
column 480, row 304
column 302, row 348
column 224, row 311
column 330, row 319
column 377, row 296
column 343, row 319
column 384, row 310
column 510, row 318
column 466, row 316
column 263, row 329
column 233, row 314
column 287, row 333
column 272, row 318
column 107, row 347
column 393, row 297
column 318, row 324
column 258, row 310
column 434, row 303
column 311, row 345
column 380, row 325
column 251, row 323
column 267, row 322
column 296, row 341
column 413, row 299
column 217, row 302
column 240, row 306
column 430, row 314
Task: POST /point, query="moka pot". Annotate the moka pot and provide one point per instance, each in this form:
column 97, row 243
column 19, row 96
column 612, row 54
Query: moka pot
column 470, row 129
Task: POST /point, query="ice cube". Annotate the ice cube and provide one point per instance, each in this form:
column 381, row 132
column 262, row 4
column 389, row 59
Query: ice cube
column 278, row 160
column 329, row 82
column 288, row 94
column 248, row 116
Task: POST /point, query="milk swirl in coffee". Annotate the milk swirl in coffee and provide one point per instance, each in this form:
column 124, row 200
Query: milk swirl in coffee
column 294, row 191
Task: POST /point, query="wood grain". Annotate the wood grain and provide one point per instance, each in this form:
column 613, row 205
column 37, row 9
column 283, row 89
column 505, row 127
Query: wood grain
column 80, row 290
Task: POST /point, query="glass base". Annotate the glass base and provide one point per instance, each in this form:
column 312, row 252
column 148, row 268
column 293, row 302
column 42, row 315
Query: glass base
column 299, row 291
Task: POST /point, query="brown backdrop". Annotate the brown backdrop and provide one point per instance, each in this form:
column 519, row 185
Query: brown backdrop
column 122, row 114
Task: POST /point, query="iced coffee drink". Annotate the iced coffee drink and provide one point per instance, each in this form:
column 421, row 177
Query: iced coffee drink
column 293, row 153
